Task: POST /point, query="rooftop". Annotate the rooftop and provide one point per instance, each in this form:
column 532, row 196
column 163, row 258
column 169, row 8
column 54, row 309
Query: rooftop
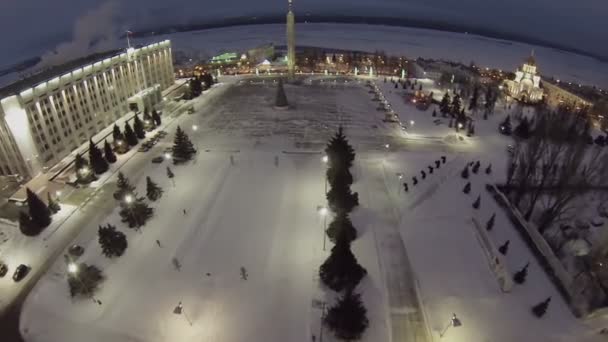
column 52, row 72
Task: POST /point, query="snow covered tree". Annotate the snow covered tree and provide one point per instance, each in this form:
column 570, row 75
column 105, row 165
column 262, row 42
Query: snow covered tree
column 476, row 167
column 474, row 101
column 477, row 202
column 341, row 225
column 196, row 88
column 53, row 206
column 504, row 247
column 281, row 99
column 38, row 211
column 98, row 163
column 138, row 127
column 540, row 309
column 183, row 150
column 136, row 213
column 348, row 318
column 85, row 281
column 444, row 105
column 340, row 155
column 156, row 117
column 108, row 153
column 520, row 276
column 153, row 191
column 490, row 223
column 123, row 187
column 341, row 270
column 467, row 188
column 113, row 243
column 130, row 136
column 117, row 134
column 465, row 172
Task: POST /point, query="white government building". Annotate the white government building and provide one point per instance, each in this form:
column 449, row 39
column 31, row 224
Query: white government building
column 45, row 117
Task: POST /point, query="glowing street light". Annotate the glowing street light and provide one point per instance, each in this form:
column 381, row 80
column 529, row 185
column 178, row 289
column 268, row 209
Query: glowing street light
column 412, row 122
column 325, row 159
column 454, row 322
column 167, row 155
column 57, row 193
column 128, row 199
column 194, row 127
column 387, row 146
column 72, row 268
column 459, row 125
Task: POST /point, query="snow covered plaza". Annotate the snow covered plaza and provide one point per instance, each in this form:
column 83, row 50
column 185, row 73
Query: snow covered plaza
column 252, row 198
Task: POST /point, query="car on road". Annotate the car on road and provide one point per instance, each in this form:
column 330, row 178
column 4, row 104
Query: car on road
column 143, row 149
column 158, row 160
column 3, row 269
column 21, row 271
column 76, row 250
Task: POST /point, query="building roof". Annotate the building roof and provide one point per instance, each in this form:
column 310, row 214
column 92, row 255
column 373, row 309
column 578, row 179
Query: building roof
column 52, row 72
column 531, row 60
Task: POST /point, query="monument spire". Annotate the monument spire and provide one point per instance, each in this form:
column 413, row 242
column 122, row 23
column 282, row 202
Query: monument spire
column 291, row 41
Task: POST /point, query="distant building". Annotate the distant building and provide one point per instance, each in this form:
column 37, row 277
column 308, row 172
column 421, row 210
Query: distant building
column 45, row 117
column 526, row 85
column 227, row 57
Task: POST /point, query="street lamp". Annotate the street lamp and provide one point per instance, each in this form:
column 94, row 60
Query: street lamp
column 412, row 122
column 325, row 159
column 128, row 199
column 179, row 309
column 167, row 155
column 72, row 268
column 194, row 127
column 454, row 322
column 323, row 212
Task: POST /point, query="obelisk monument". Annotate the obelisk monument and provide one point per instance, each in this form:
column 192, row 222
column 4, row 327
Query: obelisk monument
column 291, row 42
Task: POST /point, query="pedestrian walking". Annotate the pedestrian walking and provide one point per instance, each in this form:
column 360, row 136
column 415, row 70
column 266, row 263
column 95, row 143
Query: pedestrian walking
column 158, row 243
column 184, row 212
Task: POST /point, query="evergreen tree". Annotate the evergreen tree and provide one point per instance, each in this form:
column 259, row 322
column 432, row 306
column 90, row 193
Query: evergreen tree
column 149, row 123
column 461, row 118
column 153, row 191
column 86, row 281
column 520, row 276
column 26, row 226
column 136, row 213
column 467, row 188
column 196, row 88
column 456, row 105
column 53, row 206
column 113, row 243
column 183, row 150
column 465, row 172
column 348, row 318
column 156, row 117
column 505, row 126
column 339, row 152
column 523, row 129
column 208, row 80
column 130, row 136
column 138, row 127
column 84, row 174
column 38, row 211
column 98, row 163
column 539, row 309
column 109, row 153
column 123, row 187
column 474, row 99
column 117, row 134
column 477, row 202
column 341, row 225
column 444, row 106
column 476, row 167
column 281, row 99
column 490, row 223
column 341, row 199
column 489, row 169
column 504, row 247
column 341, row 270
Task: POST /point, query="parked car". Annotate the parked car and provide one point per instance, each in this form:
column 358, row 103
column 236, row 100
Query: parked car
column 76, row 250
column 3, row 269
column 20, row 272
column 158, row 160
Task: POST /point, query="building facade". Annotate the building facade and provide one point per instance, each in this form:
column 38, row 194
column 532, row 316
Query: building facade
column 526, row 85
column 43, row 120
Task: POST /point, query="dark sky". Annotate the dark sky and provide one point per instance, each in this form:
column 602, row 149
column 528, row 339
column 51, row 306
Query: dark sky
column 32, row 26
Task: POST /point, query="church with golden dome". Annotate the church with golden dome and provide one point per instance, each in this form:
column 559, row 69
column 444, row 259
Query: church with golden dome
column 526, row 85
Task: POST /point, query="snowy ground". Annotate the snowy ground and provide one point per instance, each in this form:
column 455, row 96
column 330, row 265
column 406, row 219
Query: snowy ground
column 263, row 216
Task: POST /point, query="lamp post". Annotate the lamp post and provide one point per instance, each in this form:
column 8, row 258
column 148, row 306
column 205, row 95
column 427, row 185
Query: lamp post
column 129, row 199
column 325, row 160
column 454, row 322
column 323, row 213
column 179, row 309
column 73, row 270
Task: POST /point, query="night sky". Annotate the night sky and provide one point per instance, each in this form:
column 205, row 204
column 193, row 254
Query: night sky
column 32, row 26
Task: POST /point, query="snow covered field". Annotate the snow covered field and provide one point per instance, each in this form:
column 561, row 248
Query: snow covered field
column 263, row 216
